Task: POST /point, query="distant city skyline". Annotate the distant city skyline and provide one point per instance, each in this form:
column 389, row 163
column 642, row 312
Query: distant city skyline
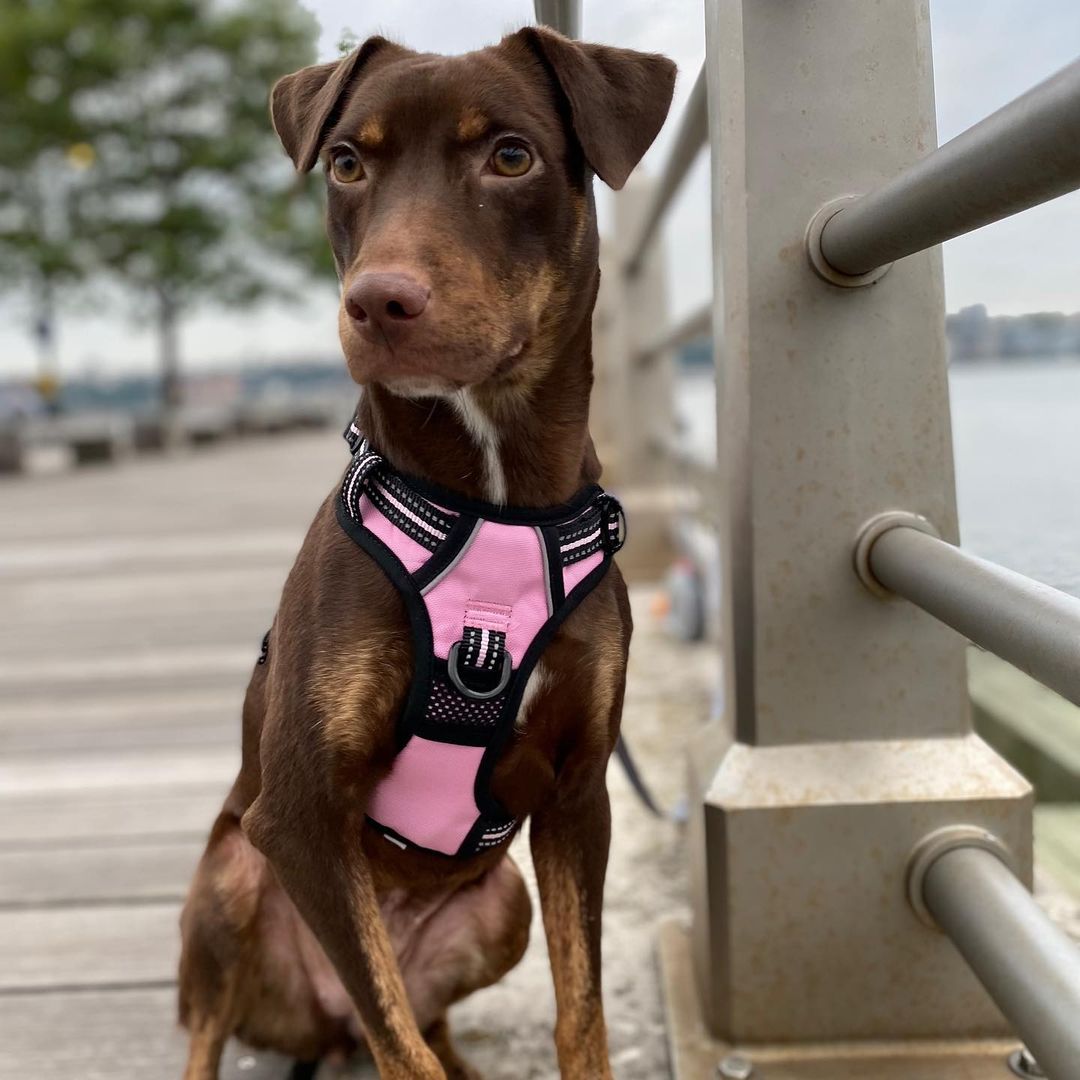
column 986, row 53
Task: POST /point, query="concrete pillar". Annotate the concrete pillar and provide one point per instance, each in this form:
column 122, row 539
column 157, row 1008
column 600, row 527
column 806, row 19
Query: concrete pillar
column 846, row 734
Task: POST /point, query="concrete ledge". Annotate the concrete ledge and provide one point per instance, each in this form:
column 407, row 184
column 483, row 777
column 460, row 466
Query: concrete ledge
column 1035, row 729
column 696, row 1054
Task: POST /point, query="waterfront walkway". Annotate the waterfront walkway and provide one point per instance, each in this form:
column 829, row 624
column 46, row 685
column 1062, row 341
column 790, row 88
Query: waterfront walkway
column 133, row 600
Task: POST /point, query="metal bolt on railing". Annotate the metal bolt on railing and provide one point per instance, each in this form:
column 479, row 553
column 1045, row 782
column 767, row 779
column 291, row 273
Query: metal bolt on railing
column 1023, row 1063
column 735, row 1067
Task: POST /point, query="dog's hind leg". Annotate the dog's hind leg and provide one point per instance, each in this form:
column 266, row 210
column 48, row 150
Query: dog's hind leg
column 213, row 926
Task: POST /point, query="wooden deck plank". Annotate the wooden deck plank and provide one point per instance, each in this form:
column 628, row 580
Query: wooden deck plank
column 105, row 631
column 133, row 721
column 123, row 769
column 96, row 874
column 89, row 946
column 1028, row 724
column 108, row 1035
column 29, row 742
column 134, row 600
column 68, row 818
column 1057, row 832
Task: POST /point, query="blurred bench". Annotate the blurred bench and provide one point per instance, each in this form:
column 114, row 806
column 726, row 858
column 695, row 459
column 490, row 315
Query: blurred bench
column 271, row 414
column 87, row 438
column 194, row 425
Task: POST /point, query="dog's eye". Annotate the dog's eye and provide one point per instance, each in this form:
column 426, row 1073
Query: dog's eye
column 511, row 159
column 345, row 165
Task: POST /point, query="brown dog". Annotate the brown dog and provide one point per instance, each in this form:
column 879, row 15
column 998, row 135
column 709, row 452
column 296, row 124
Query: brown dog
column 462, row 220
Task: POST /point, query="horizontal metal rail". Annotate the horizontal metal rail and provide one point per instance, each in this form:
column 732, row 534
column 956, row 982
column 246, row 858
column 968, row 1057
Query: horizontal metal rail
column 696, row 325
column 563, row 15
column 1026, row 153
column 1031, row 625
column 1029, row 966
column 692, row 135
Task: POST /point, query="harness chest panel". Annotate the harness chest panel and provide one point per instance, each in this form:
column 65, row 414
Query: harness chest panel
column 485, row 588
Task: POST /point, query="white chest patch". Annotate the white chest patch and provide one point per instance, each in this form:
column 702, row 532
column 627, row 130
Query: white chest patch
column 483, row 433
column 539, row 680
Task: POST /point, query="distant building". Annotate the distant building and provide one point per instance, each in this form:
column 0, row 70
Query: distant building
column 973, row 334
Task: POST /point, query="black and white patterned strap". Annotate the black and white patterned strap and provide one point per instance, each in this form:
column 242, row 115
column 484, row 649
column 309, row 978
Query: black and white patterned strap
column 365, row 461
column 411, row 513
column 482, row 649
column 494, row 832
column 601, row 527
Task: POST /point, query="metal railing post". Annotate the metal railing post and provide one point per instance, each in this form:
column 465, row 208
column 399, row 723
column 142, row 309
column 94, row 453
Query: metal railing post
column 563, row 15
column 846, row 734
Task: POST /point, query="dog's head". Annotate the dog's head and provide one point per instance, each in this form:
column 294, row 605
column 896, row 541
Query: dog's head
column 460, row 209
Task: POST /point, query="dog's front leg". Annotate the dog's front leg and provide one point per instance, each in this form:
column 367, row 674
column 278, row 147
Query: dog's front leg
column 319, row 862
column 570, row 837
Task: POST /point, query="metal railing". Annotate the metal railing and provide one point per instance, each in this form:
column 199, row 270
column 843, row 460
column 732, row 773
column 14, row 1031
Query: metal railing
column 691, row 138
column 1029, row 966
column 1024, row 154
column 1033, row 626
column 696, row 325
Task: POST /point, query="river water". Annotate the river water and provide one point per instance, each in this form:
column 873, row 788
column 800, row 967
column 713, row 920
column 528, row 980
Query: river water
column 1016, row 435
column 1016, row 430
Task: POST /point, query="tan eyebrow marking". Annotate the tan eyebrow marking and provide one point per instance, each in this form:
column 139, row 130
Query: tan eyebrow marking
column 372, row 133
column 472, row 125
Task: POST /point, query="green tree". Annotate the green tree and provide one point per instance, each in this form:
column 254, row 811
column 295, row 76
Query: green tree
column 183, row 195
column 46, row 61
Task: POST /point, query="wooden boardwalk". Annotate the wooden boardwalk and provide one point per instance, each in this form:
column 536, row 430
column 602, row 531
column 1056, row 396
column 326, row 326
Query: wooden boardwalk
column 134, row 599
column 133, row 602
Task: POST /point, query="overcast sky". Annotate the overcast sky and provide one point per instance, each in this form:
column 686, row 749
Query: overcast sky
column 986, row 52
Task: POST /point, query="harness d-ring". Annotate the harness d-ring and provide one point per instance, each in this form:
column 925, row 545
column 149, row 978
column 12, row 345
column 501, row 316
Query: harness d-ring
column 468, row 691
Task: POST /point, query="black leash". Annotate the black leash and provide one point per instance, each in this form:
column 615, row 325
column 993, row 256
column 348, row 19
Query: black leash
column 626, row 759
column 304, row 1070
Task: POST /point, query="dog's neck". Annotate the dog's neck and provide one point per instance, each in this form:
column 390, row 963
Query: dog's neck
column 503, row 445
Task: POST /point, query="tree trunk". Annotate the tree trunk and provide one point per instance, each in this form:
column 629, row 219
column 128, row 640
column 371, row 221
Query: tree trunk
column 48, row 378
column 172, row 391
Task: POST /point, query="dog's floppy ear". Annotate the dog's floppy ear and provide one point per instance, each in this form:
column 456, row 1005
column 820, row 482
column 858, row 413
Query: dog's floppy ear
column 305, row 104
column 618, row 98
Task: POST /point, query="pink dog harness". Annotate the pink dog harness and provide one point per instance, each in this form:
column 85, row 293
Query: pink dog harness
column 485, row 588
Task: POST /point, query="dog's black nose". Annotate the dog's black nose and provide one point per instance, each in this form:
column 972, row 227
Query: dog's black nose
column 385, row 299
